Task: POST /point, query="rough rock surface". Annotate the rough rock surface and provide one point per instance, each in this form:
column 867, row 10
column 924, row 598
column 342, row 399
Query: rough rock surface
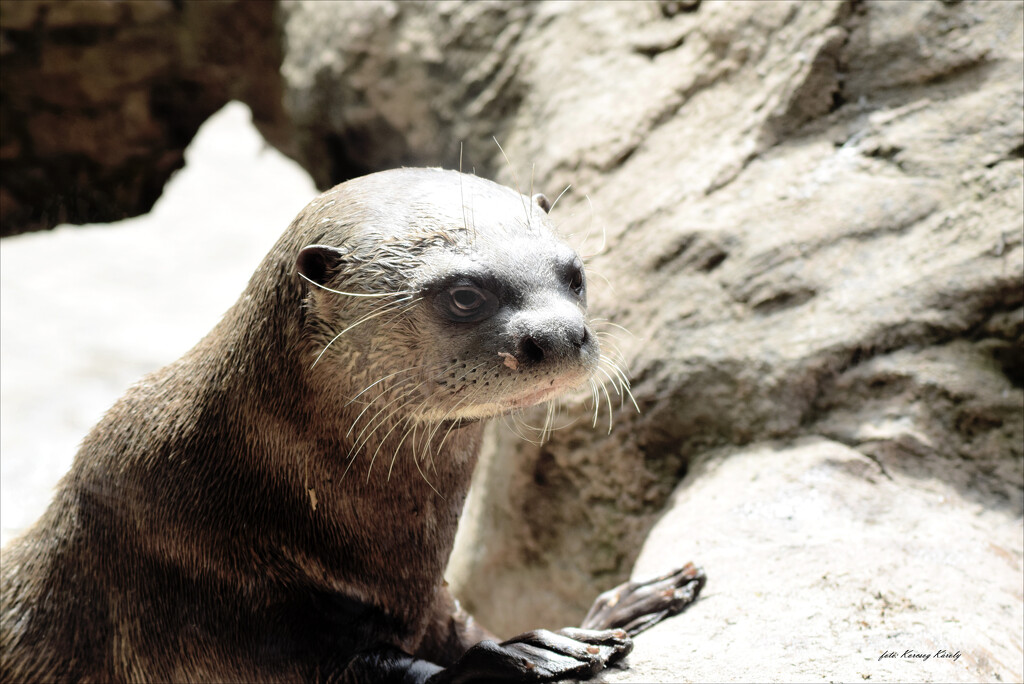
column 813, row 220
column 834, row 563
column 100, row 99
column 370, row 86
column 810, row 217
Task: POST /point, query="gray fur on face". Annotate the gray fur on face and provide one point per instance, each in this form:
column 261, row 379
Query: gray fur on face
column 451, row 230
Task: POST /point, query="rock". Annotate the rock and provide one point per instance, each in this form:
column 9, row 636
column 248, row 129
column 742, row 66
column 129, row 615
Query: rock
column 370, row 86
column 827, row 566
column 789, row 266
column 101, row 98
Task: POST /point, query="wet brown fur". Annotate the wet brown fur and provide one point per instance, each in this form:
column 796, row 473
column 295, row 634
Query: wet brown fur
column 184, row 543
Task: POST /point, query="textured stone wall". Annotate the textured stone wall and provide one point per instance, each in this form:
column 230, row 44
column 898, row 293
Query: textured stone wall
column 101, row 97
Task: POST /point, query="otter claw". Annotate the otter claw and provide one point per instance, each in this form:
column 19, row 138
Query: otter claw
column 637, row 606
column 539, row 656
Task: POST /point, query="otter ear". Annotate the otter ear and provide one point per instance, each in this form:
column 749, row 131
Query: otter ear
column 542, row 202
column 320, row 262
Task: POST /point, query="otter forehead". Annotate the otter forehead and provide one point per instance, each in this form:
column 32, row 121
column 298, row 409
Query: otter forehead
column 415, row 204
column 443, row 224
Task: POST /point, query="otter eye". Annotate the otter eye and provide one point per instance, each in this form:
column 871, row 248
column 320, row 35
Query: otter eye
column 466, row 299
column 575, row 277
column 468, row 303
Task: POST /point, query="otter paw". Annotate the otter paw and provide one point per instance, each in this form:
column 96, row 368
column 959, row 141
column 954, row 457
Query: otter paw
column 636, row 606
column 539, row 656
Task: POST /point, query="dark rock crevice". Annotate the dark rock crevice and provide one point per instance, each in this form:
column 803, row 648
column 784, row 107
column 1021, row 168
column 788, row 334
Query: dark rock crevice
column 100, row 99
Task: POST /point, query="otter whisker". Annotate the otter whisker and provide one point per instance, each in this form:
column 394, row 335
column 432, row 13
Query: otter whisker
column 596, row 397
column 516, row 426
column 351, row 459
column 360, row 416
column 613, row 357
column 386, row 377
column 415, row 432
column 562, row 401
column 402, row 310
column 608, row 335
column 618, row 392
column 459, row 403
column 597, row 274
column 356, row 294
column 519, row 423
column 356, row 446
column 617, row 385
column 391, row 322
column 416, row 459
column 401, row 396
column 552, row 209
column 384, row 439
column 611, row 351
column 629, row 393
column 455, row 421
column 462, row 198
column 549, row 419
column 541, row 432
column 412, row 426
column 604, row 234
column 424, row 476
column 363, row 441
column 613, row 364
column 623, row 379
column 605, row 321
column 605, row 373
column 515, row 179
column 611, row 412
column 367, row 317
column 423, row 445
column 372, row 423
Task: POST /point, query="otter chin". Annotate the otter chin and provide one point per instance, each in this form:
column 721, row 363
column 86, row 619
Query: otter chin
column 280, row 503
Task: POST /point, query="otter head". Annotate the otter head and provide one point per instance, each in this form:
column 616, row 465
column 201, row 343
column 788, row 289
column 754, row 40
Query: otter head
column 442, row 296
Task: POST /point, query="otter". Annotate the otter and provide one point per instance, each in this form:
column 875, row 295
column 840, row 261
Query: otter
column 280, row 503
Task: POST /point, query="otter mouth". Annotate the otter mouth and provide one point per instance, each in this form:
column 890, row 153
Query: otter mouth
column 499, row 403
column 457, row 423
column 534, row 398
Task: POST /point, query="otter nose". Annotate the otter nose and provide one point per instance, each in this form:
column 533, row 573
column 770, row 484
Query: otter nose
column 554, row 340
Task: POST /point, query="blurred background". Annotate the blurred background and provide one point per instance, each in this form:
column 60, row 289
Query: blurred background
column 811, row 217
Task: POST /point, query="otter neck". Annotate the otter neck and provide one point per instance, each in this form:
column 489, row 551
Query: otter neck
column 332, row 479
